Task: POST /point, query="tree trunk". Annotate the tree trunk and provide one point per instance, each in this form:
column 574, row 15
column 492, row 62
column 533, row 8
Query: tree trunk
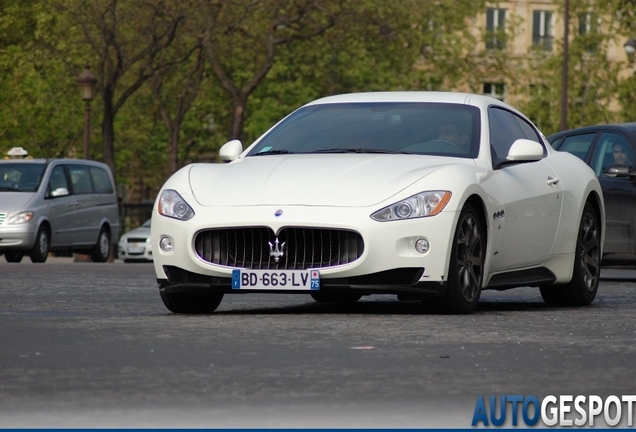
column 108, row 130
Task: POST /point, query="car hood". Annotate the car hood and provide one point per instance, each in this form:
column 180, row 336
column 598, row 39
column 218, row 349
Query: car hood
column 345, row 180
column 138, row 232
column 14, row 202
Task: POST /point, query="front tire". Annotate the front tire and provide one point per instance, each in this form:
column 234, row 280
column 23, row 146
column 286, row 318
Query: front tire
column 40, row 250
column 191, row 302
column 101, row 251
column 466, row 270
column 586, row 272
column 13, row 257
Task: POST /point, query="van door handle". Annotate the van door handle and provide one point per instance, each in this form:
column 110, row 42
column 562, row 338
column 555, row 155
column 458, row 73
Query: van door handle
column 552, row 180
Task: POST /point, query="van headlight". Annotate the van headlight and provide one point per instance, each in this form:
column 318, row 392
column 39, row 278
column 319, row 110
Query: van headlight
column 423, row 204
column 171, row 204
column 20, row 218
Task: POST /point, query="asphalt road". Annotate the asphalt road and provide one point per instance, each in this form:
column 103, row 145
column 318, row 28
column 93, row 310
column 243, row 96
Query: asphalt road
column 91, row 345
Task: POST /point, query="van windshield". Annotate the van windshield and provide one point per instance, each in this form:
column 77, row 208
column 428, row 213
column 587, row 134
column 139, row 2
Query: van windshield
column 20, row 177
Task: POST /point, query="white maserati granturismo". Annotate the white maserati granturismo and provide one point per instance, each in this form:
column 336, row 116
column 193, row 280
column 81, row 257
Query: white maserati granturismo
column 426, row 195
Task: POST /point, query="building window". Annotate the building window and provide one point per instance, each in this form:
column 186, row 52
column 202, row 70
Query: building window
column 589, row 31
column 495, row 29
column 542, row 30
column 496, row 90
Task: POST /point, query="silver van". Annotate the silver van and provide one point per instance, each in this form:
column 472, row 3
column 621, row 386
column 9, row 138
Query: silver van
column 57, row 205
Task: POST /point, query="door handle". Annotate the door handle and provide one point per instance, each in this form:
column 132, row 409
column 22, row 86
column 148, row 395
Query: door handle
column 552, row 180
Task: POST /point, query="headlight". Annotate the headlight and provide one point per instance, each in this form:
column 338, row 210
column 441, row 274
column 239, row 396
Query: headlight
column 20, row 218
column 172, row 205
column 423, row 204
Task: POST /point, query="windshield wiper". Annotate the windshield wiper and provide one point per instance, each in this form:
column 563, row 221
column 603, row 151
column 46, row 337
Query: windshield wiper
column 359, row 150
column 272, row 152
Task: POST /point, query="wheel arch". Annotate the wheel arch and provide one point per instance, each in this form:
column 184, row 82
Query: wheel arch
column 597, row 204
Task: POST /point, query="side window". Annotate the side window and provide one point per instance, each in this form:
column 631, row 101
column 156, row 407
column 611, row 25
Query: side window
column 80, row 179
column 57, row 181
column 101, row 181
column 528, row 130
column 578, row 145
column 612, row 149
column 505, row 128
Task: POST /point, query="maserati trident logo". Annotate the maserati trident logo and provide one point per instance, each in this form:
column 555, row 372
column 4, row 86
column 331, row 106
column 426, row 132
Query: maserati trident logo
column 276, row 250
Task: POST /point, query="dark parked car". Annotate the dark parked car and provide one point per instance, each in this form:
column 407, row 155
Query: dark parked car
column 609, row 150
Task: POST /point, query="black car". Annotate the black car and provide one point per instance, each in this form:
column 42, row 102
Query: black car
column 609, row 150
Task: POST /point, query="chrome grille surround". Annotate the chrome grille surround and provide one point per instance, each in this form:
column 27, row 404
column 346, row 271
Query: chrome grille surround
column 248, row 247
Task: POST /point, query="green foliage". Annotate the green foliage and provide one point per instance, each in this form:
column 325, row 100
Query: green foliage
column 367, row 45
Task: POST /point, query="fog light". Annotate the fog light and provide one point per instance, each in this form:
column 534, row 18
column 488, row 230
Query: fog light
column 422, row 246
column 165, row 244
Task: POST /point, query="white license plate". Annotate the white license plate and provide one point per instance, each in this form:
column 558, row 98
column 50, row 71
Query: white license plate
column 135, row 249
column 276, row 279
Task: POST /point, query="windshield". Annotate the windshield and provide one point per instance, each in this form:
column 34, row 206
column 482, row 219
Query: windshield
column 441, row 129
column 20, row 177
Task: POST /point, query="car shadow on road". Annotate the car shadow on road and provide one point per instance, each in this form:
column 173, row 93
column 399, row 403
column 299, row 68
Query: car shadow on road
column 388, row 307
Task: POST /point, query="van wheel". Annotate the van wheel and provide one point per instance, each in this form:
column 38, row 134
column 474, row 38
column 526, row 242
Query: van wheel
column 40, row 250
column 101, row 250
column 13, row 257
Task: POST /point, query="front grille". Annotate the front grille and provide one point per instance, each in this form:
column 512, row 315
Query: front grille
column 136, row 240
column 304, row 247
column 2, row 216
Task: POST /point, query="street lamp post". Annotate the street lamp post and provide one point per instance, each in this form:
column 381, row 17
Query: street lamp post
column 86, row 81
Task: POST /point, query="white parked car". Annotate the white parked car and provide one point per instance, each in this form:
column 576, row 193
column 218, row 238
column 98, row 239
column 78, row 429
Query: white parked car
column 427, row 195
column 135, row 245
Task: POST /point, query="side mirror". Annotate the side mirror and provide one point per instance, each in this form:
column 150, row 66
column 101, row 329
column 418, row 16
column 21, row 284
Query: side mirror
column 231, row 150
column 59, row 192
column 618, row 171
column 525, row 150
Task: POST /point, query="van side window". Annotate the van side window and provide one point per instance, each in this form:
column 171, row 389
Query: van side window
column 101, row 181
column 80, row 179
column 57, row 180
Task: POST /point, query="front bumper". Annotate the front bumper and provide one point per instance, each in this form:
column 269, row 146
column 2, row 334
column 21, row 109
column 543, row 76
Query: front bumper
column 397, row 281
column 389, row 247
column 136, row 252
column 17, row 237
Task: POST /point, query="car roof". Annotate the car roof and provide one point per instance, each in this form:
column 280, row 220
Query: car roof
column 413, row 96
column 628, row 128
column 46, row 161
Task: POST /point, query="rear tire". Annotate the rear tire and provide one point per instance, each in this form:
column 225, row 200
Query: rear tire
column 13, row 257
column 191, row 302
column 582, row 289
column 101, row 251
column 466, row 270
column 40, row 250
column 335, row 297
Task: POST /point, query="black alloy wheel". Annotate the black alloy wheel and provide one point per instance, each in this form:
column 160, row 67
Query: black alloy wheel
column 466, row 271
column 586, row 271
